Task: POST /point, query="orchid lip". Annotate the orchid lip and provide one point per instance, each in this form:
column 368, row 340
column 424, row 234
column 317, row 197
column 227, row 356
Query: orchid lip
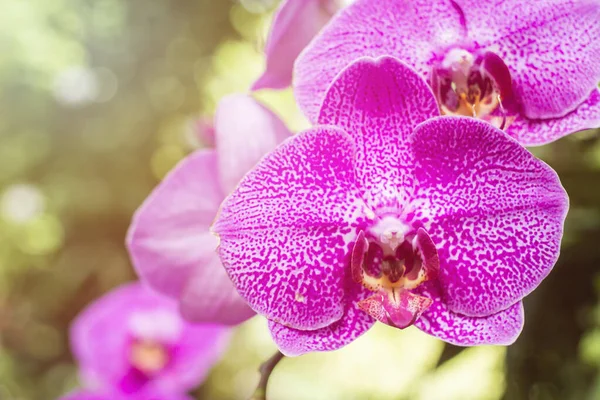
column 473, row 84
column 391, row 259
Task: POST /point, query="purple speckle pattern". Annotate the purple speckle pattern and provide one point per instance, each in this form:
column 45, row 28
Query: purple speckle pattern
column 368, row 28
column 533, row 132
column 501, row 328
column 286, row 229
column 551, row 48
column 379, row 103
column 494, row 212
column 354, row 323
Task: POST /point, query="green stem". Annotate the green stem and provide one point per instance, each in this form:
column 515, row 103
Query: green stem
column 265, row 373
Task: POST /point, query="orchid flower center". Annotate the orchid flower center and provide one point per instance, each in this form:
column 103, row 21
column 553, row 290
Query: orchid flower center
column 148, row 356
column 391, row 259
column 473, row 85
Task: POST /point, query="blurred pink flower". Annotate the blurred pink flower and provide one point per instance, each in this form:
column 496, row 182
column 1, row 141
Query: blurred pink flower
column 133, row 342
column 169, row 240
column 295, row 24
column 87, row 395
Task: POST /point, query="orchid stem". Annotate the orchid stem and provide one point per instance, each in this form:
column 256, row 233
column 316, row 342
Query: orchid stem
column 265, row 373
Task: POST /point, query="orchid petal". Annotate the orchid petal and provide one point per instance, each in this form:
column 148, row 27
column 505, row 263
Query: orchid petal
column 355, row 322
column 169, row 236
column 379, row 103
column 245, row 131
column 494, row 212
column 412, row 31
column 286, row 229
column 531, row 132
column 501, row 328
column 294, row 25
column 551, row 48
column 210, row 296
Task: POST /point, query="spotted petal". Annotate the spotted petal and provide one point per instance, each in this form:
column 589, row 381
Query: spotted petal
column 551, row 48
column 245, row 130
column 531, row 132
column 379, row 103
column 501, row 328
column 294, row 25
column 286, row 229
column 494, row 212
column 413, row 31
column 354, row 323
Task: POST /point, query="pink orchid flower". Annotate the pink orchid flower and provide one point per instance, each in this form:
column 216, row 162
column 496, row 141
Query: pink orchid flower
column 529, row 67
column 132, row 343
column 169, row 240
column 385, row 211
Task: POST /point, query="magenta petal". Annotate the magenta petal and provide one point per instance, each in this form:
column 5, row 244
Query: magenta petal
column 494, row 212
column 294, row 25
column 87, row 395
column 101, row 338
column 551, row 48
column 245, row 131
column 501, row 328
column 537, row 132
column 354, row 322
column 286, row 229
column 412, row 31
column 210, row 296
column 169, row 236
column 379, row 103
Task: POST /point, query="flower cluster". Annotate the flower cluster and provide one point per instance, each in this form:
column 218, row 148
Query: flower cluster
column 411, row 200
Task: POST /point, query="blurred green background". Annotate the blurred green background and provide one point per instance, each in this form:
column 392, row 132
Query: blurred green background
column 100, row 98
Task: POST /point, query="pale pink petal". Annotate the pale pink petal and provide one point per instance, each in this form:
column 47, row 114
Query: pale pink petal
column 210, row 296
column 494, row 212
column 534, row 132
column 169, row 236
column 245, row 131
column 286, row 229
column 295, row 23
column 551, row 48
column 501, row 328
column 413, row 31
column 379, row 103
